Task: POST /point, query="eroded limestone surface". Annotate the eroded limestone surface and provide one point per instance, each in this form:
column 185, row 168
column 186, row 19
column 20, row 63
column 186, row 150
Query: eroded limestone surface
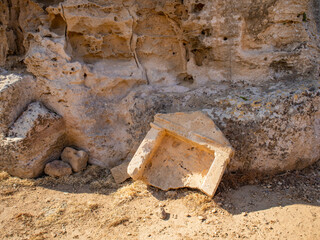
column 34, row 139
column 182, row 150
column 107, row 67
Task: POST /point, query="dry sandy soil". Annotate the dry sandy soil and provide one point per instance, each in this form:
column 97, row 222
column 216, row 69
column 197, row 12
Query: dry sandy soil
column 90, row 205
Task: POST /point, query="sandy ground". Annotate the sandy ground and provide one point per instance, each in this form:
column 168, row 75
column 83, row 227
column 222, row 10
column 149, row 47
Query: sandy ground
column 90, row 205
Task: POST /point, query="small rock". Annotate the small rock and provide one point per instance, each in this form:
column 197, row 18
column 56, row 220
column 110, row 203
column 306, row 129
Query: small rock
column 162, row 204
column 77, row 159
column 162, row 213
column 57, row 168
column 244, row 214
column 119, row 172
column 214, row 210
column 201, row 218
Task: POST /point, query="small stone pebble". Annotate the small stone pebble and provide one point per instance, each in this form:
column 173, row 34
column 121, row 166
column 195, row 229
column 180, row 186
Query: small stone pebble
column 162, row 213
column 162, row 204
column 202, row 218
column 244, row 214
column 57, row 168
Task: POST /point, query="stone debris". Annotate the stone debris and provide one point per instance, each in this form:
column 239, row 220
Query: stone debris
column 182, row 150
column 120, row 173
column 35, row 138
column 58, row 168
column 162, row 213
column 77, row 159
column 202, row 218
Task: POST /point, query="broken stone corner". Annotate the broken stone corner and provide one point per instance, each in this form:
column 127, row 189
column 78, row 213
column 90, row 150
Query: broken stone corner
column 183, row 149
column 34, row 139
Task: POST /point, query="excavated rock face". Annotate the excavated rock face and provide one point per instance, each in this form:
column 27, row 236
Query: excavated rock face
column 107, row 67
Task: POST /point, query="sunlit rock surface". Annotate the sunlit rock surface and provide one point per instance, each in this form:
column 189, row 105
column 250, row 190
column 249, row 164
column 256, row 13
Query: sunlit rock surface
column 107, row 67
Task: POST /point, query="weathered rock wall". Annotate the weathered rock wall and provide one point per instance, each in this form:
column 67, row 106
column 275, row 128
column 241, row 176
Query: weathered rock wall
column 108, row 66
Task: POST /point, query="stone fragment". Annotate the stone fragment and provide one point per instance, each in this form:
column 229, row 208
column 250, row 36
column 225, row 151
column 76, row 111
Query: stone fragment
column 57, row 168
column 120, row 173
column 34, row 139
column 182, row 150
column 77, row 159
column 162, row 213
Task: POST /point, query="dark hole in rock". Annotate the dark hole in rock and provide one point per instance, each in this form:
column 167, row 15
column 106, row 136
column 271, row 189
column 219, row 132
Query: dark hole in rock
column 185, row 79
column 198, row 7
column 201, row 54
column 281, row 66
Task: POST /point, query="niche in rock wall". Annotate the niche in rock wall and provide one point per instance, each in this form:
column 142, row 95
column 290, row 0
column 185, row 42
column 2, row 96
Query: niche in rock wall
column 58, row 25
column 93, row 48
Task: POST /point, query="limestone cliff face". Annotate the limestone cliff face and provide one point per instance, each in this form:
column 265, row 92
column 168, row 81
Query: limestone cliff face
column 108, row 66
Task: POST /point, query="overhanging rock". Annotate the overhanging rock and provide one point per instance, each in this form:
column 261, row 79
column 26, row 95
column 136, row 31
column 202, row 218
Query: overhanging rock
column 182, row 150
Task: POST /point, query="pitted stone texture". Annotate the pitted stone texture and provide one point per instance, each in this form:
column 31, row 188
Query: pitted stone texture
column 182, row 150
column 36, row 138
column 77, row 159
column 57, row 168
column 16, row 91
column 108, row 67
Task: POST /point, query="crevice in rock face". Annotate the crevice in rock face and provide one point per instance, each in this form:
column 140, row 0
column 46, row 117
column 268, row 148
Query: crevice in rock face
column 13, row 31
column 47, row 3
column 133, row 45
column 65, row 20
column 202, row 54
column 316, row 12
